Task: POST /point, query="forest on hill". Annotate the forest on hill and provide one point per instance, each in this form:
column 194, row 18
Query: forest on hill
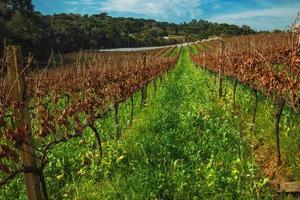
column 39, row 34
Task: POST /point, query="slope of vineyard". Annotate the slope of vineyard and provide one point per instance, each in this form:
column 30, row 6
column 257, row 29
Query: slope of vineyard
column 169, row 100
column 267, row 63
column 42, row 109
column 135, row 126
column 265, row 68
column 184, row 145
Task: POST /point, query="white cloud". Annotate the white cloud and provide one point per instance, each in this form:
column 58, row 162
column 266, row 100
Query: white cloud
column 272, row 18
column 276, row 17
column 83, row 3
column 162, row 9
column 83, row 6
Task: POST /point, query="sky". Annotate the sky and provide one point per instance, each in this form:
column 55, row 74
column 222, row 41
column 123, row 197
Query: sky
column 258, row 14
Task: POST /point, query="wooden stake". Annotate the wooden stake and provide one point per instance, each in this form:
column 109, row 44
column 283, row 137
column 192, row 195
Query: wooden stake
column 290, row 187
column 20, row 94
column 279, row 108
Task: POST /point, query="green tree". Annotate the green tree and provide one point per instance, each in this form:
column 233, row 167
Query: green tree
column 21, row 5
column 3, row 28
column 31, row 32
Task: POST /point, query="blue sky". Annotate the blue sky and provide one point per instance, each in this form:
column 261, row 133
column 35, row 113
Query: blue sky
column 259, row 14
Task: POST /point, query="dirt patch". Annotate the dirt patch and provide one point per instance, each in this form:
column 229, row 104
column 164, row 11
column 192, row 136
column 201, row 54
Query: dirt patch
column 266, row 158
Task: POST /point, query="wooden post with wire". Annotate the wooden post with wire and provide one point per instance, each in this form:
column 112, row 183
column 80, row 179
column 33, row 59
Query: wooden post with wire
column 20, row 94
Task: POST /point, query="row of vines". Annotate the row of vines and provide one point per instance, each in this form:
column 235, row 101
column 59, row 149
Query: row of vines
column 40, row 109
column 267, row 63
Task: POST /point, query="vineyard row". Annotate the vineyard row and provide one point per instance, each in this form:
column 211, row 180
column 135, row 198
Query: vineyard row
column 40, row 109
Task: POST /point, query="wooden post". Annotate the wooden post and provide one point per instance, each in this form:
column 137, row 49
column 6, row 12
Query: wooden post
column 20, row 93
column 279, row 108
column 222, row 48
column 290, row 187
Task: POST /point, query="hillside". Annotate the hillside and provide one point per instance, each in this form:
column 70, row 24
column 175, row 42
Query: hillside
column 40, row 34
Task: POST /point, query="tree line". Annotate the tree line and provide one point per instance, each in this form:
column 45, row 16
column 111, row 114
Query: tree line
column 40, row 34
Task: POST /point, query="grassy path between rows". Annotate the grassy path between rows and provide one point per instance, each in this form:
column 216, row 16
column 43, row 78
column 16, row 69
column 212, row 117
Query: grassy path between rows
column 183, row 145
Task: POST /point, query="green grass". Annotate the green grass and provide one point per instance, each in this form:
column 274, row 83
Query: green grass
column 263, row 135
column 175, row 52
column 193, row 49
column 182, row 146
column 185, row 144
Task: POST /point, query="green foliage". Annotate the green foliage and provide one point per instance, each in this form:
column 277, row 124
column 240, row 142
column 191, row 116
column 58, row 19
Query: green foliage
column 39, row 34
column 21, row 5
column 184, row 145
column 30, row 31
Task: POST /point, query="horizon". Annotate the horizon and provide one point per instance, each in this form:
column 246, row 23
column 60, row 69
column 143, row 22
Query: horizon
column 259, row 15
